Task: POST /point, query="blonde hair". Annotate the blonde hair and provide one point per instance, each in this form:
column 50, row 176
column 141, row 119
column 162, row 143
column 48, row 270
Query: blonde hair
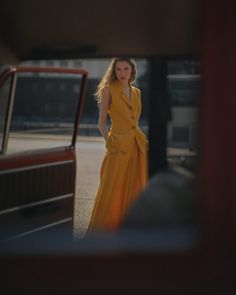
column 110, row 75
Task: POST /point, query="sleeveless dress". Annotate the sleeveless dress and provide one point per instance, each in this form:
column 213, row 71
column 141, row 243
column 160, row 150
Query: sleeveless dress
column 124, row 170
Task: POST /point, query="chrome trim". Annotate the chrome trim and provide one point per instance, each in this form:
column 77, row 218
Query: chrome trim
column 36, row 204
column 39, row 229
column 9, row 115
column 35, row 167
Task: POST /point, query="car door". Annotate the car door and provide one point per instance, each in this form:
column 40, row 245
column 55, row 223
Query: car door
column 40, row 109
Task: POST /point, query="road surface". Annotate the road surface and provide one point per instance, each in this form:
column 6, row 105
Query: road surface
column 89, row 158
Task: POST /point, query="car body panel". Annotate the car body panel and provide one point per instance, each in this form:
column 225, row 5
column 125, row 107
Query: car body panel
column 37, row 188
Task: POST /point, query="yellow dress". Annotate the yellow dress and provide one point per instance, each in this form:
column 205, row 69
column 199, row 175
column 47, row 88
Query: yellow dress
column 124, row 168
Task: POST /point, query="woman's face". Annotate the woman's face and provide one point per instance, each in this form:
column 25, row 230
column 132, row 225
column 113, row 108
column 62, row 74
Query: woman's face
column 123, row 71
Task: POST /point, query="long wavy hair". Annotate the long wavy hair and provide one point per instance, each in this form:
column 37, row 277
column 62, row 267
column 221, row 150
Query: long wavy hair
column 110, row 75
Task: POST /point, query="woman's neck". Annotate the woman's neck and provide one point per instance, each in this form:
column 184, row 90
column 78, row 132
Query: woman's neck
column 124, row 84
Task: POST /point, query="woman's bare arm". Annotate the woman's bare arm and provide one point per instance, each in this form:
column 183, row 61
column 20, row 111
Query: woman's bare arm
column 103, row 110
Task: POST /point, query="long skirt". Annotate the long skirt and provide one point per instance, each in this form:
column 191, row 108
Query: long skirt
column 122, row 178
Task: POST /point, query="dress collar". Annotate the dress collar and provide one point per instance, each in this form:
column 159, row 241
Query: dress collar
column 122, row 92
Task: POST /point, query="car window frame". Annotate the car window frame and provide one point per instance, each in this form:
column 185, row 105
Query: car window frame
column 12, row 71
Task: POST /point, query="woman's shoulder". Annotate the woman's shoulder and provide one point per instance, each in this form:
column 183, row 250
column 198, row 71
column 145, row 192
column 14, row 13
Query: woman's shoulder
column 105, row 90
column 136, row 89
column 106, row 86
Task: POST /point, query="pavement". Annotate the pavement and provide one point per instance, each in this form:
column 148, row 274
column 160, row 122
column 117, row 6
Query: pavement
column 90, row 153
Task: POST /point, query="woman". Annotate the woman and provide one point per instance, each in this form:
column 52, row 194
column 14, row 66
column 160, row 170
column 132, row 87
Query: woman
column 124, row 169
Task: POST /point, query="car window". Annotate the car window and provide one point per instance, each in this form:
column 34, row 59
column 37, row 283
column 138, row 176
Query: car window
column 44, row 111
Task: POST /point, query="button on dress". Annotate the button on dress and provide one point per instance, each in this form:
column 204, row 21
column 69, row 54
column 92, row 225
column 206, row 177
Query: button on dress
column 124, row 170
